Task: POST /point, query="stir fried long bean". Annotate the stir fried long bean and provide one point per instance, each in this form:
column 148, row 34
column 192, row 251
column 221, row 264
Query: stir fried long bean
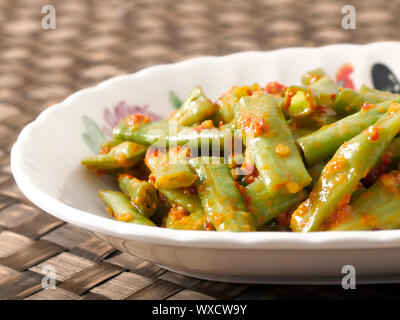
column 324, row 142
column 196, row 108
column 169, row 133
column 220, row 197
column 349, row 101
column 143, row 195
column 178, row 218
column 265, row 206
column 125, row 154
column 170, row 168
column 376, row 208
column 120, row 207
column 304, row 157
column 271, row 144
column 182, row 197
column 343, row 172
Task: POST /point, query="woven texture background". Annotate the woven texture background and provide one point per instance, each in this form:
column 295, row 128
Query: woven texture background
column 95, row 40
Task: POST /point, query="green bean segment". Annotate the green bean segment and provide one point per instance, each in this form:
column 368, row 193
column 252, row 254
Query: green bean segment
column 265, row 206
column 170, row 168
column 299, row 102
column 168, row 133
column 324, row 90
column 349, row 101
column 146, row 134
column 312, row 75
column 319, row 90
column 343, row 172
column 227, row 101
column 125, row 154
column 143, row 194
column 377, row 95
column 324, row 142
column 271, row 144
column 196, row 108
column 181, row 221
column 108, row 145
column 182, row 197
column 220, row 197
column 119, row 205
column 376, row 208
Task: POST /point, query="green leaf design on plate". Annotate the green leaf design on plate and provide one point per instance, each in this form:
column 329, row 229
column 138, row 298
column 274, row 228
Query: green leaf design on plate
column 93, row 135
column 174, row 100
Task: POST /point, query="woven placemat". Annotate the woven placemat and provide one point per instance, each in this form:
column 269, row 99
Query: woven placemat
column 95, row 40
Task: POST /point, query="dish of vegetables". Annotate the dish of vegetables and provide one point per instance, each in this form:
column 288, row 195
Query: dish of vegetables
column 302, row 158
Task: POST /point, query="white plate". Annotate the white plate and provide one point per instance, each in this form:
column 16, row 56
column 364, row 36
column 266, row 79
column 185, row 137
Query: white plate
column 45, row 162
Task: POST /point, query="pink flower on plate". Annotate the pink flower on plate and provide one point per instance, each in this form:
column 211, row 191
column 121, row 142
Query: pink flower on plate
column 121, row 110
column 343, row 76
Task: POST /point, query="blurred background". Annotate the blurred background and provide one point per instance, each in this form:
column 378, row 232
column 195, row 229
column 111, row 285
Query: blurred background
column 97, row 39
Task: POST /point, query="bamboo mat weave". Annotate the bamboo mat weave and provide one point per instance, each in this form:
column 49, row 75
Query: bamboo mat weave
column 95, row 40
